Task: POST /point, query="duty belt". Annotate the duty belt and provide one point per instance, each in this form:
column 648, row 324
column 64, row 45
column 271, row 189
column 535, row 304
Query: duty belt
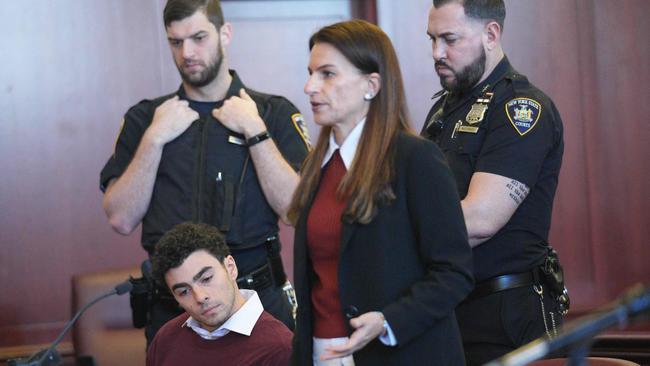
column 502, row 283
column 258, row 279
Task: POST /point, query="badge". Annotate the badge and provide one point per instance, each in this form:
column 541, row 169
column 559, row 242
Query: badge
column 523, row 114
column 477, row 112
column 299, row 124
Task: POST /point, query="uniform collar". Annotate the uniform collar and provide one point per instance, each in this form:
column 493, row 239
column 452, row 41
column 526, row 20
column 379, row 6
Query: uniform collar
column 499, row 72
column 235, row 85
column 349, row 147
column 241, row 322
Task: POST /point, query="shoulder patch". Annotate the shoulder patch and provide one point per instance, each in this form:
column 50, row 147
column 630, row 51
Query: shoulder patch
column 299, row 124
column 523, row 114
column 118, row 136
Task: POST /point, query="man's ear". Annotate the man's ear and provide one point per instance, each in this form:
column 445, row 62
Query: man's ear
column 225, row 33
column 231, row 267
column 492, row 35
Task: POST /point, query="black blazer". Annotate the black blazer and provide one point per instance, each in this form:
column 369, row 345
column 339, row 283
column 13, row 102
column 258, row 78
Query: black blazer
column 412, row 262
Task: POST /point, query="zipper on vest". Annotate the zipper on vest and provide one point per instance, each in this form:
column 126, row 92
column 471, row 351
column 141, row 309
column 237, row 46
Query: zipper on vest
column 200, row 170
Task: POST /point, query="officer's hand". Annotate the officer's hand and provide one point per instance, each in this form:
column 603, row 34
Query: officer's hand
column 171, row 119
column 367, row 327
column 239, row 114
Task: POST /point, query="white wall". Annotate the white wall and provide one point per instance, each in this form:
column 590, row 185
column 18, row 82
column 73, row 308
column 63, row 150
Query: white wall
column 405, row 22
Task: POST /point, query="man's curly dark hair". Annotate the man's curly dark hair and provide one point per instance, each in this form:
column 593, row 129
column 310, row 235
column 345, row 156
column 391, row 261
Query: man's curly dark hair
column 181, row 241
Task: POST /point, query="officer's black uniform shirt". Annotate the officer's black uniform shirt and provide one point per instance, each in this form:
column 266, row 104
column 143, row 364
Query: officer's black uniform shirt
column 206, row 174
column 520, row 137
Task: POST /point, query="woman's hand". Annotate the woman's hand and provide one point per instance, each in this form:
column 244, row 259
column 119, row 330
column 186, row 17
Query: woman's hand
column 368, row 326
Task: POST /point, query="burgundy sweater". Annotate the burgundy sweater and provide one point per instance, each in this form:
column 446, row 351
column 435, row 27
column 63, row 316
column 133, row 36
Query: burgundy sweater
column 269, row 344
column 324, row 240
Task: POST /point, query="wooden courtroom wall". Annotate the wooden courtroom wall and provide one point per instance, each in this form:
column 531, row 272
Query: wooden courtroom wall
column 70, row 68
column 591, row 57
column 68, row 71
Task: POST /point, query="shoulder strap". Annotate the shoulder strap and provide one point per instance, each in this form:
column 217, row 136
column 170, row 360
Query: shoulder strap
column 518, row 82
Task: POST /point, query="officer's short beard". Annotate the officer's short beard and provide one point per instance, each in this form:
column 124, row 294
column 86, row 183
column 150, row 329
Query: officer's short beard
column 206, row 76
column 465, row 79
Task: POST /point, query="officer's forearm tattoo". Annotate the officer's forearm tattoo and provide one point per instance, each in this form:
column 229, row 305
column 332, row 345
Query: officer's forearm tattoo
column 518, row 191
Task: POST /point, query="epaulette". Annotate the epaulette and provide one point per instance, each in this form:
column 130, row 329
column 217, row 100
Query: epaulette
column 518, row 82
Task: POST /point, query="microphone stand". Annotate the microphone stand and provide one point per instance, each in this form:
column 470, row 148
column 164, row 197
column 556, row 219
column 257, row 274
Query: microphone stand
column 578, row 335
column 49, row 356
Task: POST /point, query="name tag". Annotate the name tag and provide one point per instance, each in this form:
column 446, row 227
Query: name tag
column 468, row 129
column 236, row 140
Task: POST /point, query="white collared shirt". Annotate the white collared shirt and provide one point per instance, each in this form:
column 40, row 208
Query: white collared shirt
column 349, row 148
column 241, row 322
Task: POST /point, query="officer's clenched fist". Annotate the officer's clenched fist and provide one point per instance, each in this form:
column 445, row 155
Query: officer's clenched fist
column 239, row 114
column 171, row 119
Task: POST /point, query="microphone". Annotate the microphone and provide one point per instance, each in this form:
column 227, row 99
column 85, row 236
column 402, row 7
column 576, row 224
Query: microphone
column 580, row 332
column 49, row 356
column 123, row 287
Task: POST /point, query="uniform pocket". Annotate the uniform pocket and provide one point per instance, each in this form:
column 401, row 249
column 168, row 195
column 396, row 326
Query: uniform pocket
column 521, row 314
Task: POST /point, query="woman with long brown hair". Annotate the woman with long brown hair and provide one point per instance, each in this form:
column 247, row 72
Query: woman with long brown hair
column 381, row 252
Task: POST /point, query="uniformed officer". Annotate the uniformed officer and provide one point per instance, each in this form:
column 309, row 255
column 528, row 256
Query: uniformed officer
column 503, row 141
column 213, row 152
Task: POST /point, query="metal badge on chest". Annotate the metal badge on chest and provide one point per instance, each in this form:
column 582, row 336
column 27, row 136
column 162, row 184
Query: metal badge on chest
column 476, row 113
column 474, row 117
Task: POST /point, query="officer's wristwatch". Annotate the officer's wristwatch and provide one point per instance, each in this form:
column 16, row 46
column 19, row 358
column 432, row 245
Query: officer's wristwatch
column 258, row 138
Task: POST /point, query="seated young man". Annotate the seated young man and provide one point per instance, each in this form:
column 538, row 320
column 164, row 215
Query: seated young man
column 222, row 324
